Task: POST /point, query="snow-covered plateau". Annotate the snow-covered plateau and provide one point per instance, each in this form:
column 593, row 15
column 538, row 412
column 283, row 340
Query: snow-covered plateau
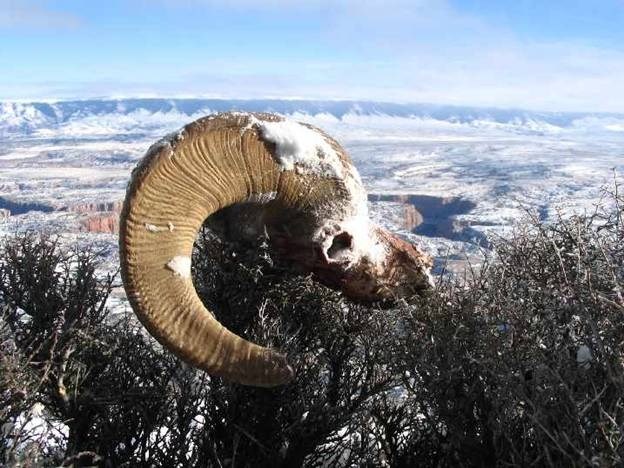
column 445, row 177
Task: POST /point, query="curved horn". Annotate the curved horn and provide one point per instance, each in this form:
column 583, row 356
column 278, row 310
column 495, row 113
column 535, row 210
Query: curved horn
column 211, row 164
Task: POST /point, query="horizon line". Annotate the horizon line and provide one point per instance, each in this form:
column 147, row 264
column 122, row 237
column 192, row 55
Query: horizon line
column 153, row 97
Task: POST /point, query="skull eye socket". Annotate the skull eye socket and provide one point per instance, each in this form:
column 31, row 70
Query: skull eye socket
column 340, row 245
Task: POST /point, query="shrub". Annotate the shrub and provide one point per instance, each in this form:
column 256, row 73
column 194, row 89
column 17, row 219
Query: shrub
column 518, row 363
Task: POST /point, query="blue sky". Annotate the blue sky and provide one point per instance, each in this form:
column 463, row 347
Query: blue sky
column 536, row 54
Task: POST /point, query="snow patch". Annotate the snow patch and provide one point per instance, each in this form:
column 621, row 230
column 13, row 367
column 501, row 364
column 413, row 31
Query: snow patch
column 261, row 198
column 153, row 228
column 298, row 147
column 168, row 141
column 306, row 150
column 180, row 265
column 297, row 144
column 252, row 121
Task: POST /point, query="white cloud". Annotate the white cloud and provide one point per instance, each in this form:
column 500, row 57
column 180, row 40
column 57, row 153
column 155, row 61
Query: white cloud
column 396, row 50
column 33, row 14
column 427, row 50
column 536, row 76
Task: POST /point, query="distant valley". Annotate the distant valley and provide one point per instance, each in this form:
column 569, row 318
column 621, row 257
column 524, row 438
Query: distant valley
column 445, row 177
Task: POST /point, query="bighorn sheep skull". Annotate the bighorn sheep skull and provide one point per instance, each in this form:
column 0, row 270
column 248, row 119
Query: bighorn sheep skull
column 303, row 191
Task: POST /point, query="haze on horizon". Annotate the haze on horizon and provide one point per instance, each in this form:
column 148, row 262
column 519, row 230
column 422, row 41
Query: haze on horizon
column 560, row 55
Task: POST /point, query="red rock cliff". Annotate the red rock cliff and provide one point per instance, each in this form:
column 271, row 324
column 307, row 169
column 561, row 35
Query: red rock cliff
column 103, row 222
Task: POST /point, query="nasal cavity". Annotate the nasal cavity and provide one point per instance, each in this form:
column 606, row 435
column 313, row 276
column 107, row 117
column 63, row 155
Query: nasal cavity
column 341, row 244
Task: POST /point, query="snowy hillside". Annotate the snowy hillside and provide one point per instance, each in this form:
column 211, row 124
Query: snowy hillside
column 98, row 117
column 443, row 176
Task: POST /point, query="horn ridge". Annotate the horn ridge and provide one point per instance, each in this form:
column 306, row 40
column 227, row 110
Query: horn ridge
column 211, row 164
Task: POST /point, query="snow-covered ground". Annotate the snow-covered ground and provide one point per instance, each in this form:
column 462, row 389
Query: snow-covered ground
column 61, row 155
